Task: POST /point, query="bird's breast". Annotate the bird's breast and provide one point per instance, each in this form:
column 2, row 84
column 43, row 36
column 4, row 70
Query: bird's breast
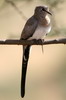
column 40, row 32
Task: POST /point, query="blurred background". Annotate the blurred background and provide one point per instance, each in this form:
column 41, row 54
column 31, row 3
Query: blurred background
column 46, row 74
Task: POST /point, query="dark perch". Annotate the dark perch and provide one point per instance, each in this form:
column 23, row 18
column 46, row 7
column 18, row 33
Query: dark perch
column 32, row 42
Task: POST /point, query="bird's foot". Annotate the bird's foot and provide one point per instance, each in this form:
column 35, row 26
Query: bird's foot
column 39, row 41
column 35, row 40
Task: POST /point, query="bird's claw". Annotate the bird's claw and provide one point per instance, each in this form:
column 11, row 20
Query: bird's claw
column 41, row 41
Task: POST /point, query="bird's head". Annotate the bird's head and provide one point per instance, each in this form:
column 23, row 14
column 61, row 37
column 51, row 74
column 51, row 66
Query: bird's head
column 42, row 11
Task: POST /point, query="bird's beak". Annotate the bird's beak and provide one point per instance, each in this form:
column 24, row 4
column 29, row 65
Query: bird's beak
column 48, row 12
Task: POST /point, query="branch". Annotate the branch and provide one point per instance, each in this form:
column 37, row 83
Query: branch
column 32, row 42
column 17, row 9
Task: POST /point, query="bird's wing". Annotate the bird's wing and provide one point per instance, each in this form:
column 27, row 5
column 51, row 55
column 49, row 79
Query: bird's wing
column 29, row 28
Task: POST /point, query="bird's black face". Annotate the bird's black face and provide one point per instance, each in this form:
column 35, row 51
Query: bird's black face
column 42, row 11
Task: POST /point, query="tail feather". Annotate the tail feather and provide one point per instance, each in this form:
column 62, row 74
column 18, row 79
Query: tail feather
column 26, row 50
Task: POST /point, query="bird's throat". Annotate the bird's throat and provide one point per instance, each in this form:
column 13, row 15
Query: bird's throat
column 45, row 21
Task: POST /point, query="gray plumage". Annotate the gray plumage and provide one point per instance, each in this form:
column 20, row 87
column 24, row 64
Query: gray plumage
column 35, row 28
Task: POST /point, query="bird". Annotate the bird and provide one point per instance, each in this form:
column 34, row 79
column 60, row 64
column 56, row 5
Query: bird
column 36, row 27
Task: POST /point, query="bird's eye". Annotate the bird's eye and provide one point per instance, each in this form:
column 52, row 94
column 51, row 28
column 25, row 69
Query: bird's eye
column 43, row 9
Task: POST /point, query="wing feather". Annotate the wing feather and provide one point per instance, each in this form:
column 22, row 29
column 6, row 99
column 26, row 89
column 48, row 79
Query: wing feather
column 29, row 28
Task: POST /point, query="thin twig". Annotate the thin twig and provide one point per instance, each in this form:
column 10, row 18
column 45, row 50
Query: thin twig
column 32, row 42
column 17, row 9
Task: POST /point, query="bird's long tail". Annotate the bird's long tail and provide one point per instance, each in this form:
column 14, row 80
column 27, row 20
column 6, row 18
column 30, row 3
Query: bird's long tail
column 26, row 50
